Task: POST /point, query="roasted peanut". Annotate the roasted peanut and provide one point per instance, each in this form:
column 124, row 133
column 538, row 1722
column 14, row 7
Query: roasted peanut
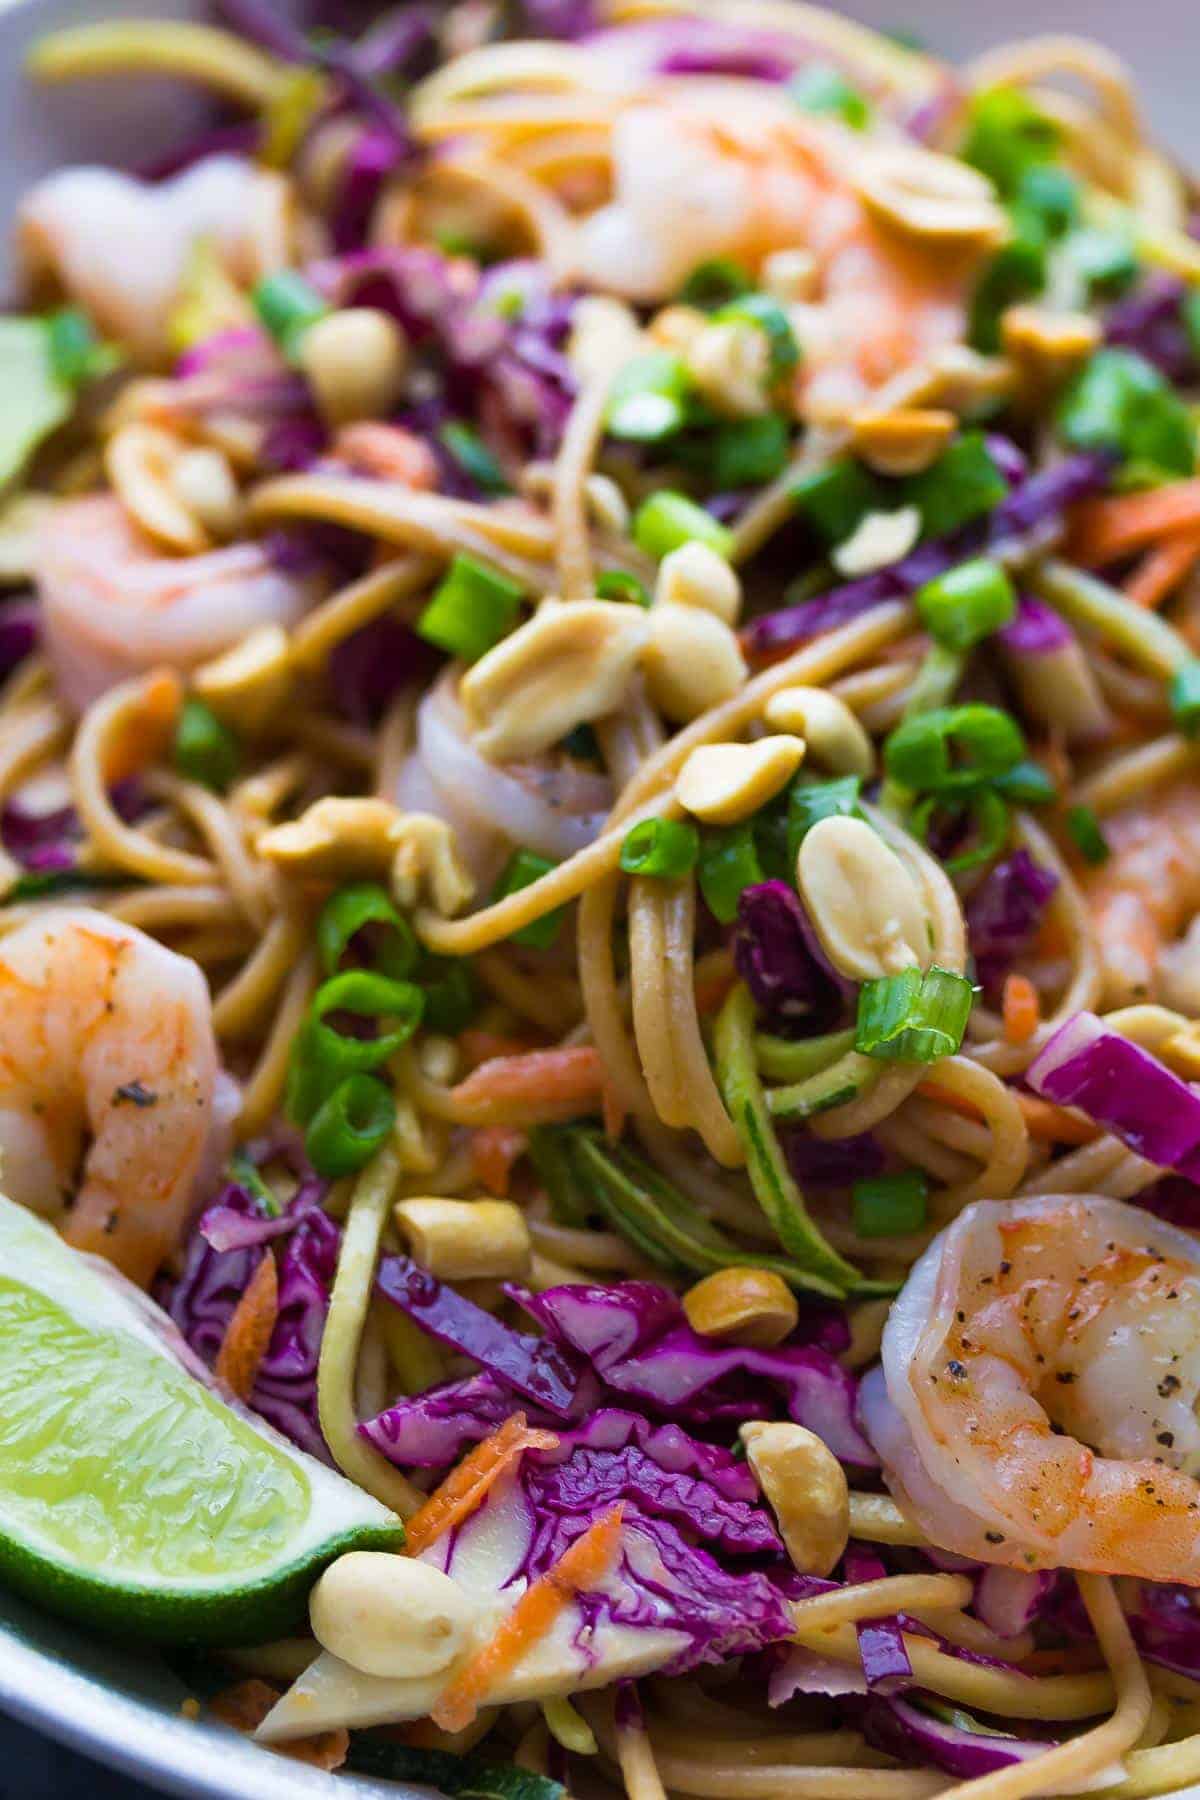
column 934, row 198
column 466, row 1240
column 390, row 1615
column 834, row 736
column 695, row 575
column 692, row 661
column 864, row 904
column 903, row 442
column 355, row 360
column 805, row 1486
column 730, row 365
column 881, row 538
column 722, row 783
column 747, row 1306
column 565, row 666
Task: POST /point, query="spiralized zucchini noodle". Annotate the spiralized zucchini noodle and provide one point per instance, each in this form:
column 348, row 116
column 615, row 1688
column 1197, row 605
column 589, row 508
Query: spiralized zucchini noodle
column 622, row 579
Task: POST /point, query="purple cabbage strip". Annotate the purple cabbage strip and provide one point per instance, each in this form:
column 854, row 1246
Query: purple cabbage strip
column 45, row 843
column 568, row 20
column 905, row 1730
column 641, row 1346
column 1151, row 322
column 434, row 1429
column 20, row 634
column 202, row 1302
column 885, row 1661
column 1004, row 914
column 1124, row 1088
column 832, row 1162
column 1166, row 1627
column 370, row 667
column 402, row 42
column 373, row 158
column 1035, row 629
column 777, row 955
column 536, row 1368
column 1008, row 1601
column 268, row 27
column 1040, row 501
column 1174, row 1199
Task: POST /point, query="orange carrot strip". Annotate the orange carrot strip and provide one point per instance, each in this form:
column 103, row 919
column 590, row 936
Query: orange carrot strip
column 1021, row 1009
column 389, row 451
column 146, row 731
column 494, row 1151
column 246, row 1704
column 538, row 1087
column 712, row 990
column 929, row 1090
column 1055, row 1124
column 1163, row 568
column 464, row 1488
column 578, row 1568
column 249, row 1330
column 1103, row 530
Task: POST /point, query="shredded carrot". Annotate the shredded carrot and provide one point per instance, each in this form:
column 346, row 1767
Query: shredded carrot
column 1104, row 530
column 1021, row 1009
column 712, row 990
column 1055, row 1124
column 246, row 1704
column 929, row 1090
column 538, row 1087
column 1053, row 939
column 1163, row 568
column 581, row 1567
column 464, row 1488
column 249, row 1330
column 484, row 1046
column 146, row 731
column 495, row 1149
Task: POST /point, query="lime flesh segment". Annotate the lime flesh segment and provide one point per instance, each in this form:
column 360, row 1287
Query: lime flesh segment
column 131, row 1496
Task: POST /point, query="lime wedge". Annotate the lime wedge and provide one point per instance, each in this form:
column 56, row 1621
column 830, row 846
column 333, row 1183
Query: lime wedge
column 131, row 1497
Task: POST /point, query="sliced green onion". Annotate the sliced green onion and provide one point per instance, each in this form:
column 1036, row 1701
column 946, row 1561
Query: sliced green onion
column 287, row 305
column 811, row 801
column 347, row 1129
column 1185, row 698
column 648, row 399
column 715, row 283
column 1052, row 194
column 766, row 314
column 473, row 457
column 76, row 354
column 835, row 500
column 729, row 862
column 667, row 519
column 550, row 1154
column 1007, row 136
column 365, row 906
column 822, row 88
column 962, row 485
column 362, row 994
column 750, row 452
column 988, row 814
column 449, row 995
column 1017, row 272
column 966, row 604
column 1121, row 402
column 1106, row 261
column 920, row 753
column 890, row 1205
column 471, row 609
column 1086, row 835
column 913, row 1017
column 205, row 750
column 1026, row 784
column 523, row 868
column 617, row 584
column 667, row 848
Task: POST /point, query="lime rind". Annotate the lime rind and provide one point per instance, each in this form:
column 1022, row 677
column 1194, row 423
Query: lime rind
column 132, row 1497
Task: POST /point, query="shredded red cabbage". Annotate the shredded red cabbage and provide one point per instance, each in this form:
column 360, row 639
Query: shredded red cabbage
column 885, row 1663
column 534, row 1367
column 949, row 1739
column 1125, row 1089
column 1151, row 322
column 832, row 1162
column 1035, row 629
column 1004, row 914
column 370, row 667
column 778, row 956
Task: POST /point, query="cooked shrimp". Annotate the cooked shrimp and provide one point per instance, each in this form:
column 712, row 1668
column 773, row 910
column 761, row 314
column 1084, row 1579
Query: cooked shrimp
column 112, row 1102
column 1042, row 1370
column 114, row 605
column 119, row 247
column 1146, row 892
column 689, row 188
